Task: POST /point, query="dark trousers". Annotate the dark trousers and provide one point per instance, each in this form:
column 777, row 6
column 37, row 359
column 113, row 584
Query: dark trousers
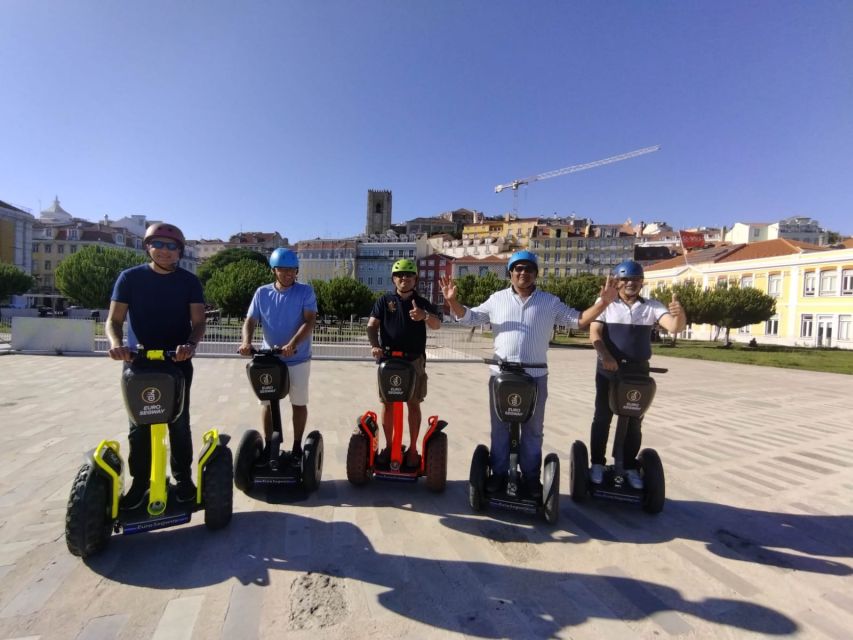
column 180, row 439
column 600, row 429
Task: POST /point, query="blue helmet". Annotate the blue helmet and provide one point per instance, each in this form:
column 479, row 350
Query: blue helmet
column 628, row 269
column 522, row 256
column 284, row 258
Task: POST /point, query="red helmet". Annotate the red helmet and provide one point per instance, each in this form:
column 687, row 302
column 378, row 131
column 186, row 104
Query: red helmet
column 164, row 230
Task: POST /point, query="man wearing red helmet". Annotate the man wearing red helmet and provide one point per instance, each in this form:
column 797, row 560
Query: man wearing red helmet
column 164, row 306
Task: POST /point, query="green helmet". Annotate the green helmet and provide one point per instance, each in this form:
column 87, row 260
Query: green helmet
column 404, row 265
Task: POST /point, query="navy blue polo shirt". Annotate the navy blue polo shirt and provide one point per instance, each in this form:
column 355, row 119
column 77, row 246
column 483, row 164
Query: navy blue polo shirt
column 396, row 329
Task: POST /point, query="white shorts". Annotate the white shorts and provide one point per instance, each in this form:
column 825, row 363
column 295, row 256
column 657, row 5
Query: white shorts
column 299, row 374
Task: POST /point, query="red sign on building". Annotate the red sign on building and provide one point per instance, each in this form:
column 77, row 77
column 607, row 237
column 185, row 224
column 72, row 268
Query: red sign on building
column 692, row 239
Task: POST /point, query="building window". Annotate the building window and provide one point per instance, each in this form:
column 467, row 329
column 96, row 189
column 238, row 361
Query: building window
column 827, row 283
column 35, row 247
column 847, row 282
column 774, row 285
column 60, row 248
column 48, row 248
column 370, row 280
column 72, row 234
column 430, row 263
column 745, row 281
column 771, row 327
column 806, row 325
column 746, row 330
column 379, row 280
column 844, row 332
column 756, row 233
column 47, row 265
column 463, row 271
column 423, row 273
column 809, row 283
column 442, row 263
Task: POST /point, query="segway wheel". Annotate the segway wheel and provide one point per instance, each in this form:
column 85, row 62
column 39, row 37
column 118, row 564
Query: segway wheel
column 358, row 455
column 579, row 471
column 436, row 463
column 551, row 488
column 654, row 483
column 88, row 524
column 477, row 478
column 217, row 492
column 312, row 461
column 249, row 451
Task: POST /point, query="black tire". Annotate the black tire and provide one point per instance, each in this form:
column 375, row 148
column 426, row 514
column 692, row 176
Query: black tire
column 579, row 471
column 312, row 461
column 551, row 488
column 436, row 463
column 654, row 482
column 88, row 521
column 217, row 492
column 477, row 478
column 249, row 450
column 358, row 454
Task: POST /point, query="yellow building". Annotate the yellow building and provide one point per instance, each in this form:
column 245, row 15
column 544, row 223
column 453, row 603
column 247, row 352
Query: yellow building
column 813, row 287
column 518, row 230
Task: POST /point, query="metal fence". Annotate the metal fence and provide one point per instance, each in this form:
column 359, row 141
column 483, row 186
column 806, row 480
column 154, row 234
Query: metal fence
column 348, row 341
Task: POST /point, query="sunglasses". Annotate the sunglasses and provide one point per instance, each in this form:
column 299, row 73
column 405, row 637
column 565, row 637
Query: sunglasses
column 162, row 244
column 524, row 268
column 630, row 279
column 404, row 275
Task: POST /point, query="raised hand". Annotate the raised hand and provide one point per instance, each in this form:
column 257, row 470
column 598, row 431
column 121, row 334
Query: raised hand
column 675, row 307
column 448, row 288
column 609, row 291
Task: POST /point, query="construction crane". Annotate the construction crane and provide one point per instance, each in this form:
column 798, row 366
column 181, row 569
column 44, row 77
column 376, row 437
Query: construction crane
column 515, row 184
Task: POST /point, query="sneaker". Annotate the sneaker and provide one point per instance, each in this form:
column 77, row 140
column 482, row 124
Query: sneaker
column 136, row 496
column 634, row 479
column 384, row 456
column 534, row 488
column 496, row 483
column 296, row 455
column 185, row 490
column 596, row 474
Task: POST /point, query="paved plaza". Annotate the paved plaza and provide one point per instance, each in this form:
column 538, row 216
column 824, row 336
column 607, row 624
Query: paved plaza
column 756, row 539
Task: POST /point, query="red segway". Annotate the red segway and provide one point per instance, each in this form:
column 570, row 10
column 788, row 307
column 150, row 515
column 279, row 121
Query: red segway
column 397, row 378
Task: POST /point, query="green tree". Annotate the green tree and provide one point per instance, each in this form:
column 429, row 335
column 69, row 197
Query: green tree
column 578, row 292
column 321, row 291
column 13, row 281
column 744, row 306
column 229, row 256
column 231, row 288
column 87, row 277
column 475, row 290
column 344, row 297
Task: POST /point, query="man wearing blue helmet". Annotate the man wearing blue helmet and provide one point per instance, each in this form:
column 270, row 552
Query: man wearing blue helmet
column 622, row 338
column 523, row 319
column 286, row 310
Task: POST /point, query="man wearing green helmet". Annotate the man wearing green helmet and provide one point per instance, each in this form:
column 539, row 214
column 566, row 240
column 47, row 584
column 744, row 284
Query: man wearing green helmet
column 398, row 322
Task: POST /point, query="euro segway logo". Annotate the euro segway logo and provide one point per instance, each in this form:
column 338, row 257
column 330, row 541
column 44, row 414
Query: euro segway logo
column 513, row 404
column 634, row 395
column 513, row 400
column 266, row 379
column 396, row 380
column 151, row 395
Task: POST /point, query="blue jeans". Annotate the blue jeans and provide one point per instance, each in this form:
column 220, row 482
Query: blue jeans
column 530, row 447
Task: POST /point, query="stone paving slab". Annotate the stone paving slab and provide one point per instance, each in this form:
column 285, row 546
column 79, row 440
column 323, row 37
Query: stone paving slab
column 755, row 539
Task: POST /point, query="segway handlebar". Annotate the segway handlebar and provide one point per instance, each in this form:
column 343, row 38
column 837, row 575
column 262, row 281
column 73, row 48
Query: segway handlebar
column 651, row 369
column 152, row 354
column 388, row 353
column 506, row 365
column 275, row 351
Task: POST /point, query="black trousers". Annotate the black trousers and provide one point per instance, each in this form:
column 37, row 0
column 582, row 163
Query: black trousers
column 180, row 439
column 603, row 416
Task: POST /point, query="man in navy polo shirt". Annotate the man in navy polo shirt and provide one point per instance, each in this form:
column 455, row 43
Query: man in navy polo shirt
column 398, row 322
column 622, row 338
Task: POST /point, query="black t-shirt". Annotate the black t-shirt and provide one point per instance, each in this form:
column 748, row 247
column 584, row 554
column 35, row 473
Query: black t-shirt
column 396, row 329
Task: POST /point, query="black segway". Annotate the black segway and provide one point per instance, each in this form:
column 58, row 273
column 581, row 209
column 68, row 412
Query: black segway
column 153, row 391
column 515, row 395
column 631, row 395
column 397, row 382
column 265, row 464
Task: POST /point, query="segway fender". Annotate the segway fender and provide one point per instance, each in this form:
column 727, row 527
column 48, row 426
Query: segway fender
column 213, row 443
column 105, row 458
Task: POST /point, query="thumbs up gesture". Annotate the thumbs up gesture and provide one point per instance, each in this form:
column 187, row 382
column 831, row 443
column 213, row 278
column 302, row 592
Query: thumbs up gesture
column 417, row 314
column 675, row 307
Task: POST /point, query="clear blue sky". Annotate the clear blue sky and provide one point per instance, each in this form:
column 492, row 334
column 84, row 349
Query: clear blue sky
column 262, row 116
